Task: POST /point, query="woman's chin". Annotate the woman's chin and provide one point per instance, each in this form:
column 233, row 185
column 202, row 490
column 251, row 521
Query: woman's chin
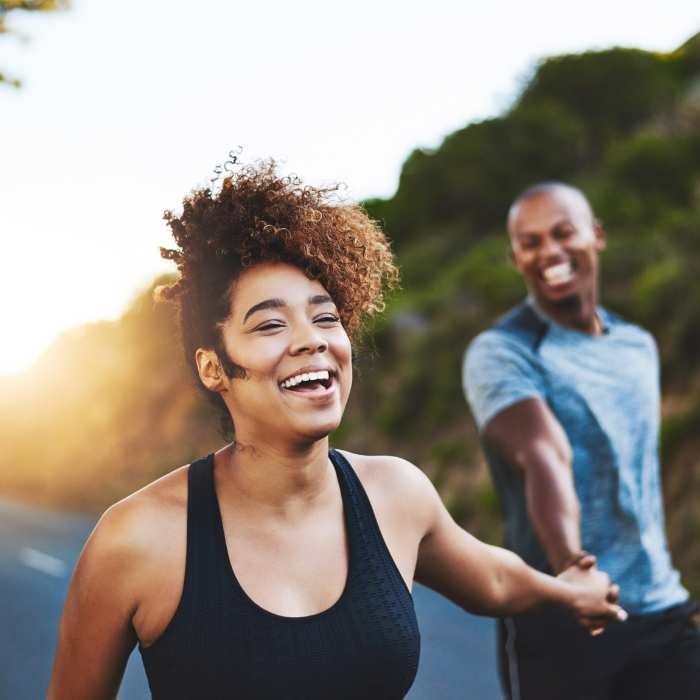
column 314, row 431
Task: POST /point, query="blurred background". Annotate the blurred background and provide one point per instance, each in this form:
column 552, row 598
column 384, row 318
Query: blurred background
column 434, row 115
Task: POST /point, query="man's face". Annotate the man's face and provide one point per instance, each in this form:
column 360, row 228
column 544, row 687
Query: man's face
column 555, row 244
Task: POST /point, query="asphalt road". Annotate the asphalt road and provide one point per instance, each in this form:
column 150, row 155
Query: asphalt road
column 38, row 550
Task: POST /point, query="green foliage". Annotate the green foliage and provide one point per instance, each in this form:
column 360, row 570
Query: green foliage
column 679, row 428
column 611, row 92
column 660, row 171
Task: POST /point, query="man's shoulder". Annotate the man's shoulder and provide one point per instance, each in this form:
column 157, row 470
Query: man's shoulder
column 615, row 320
column 524, row 324
column 519, row 329
column 506, row 354
column 522, row 328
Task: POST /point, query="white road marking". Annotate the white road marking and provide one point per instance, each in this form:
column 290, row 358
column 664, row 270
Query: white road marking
column 45, row 563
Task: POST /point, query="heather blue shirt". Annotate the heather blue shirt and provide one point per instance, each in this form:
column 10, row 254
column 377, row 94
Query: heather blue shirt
column 604, row 390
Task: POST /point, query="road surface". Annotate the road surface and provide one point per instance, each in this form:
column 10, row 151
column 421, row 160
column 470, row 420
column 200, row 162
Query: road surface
column 38, row 550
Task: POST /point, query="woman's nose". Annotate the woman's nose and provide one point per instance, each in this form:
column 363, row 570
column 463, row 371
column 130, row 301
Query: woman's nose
column 308, row 339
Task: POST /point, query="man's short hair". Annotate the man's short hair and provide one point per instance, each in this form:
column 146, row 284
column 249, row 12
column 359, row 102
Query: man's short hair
column 548, row 187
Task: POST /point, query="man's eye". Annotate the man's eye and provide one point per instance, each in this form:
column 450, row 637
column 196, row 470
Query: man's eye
column 269, row 326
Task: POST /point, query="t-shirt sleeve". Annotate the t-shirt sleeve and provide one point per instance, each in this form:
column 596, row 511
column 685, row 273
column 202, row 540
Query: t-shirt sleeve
column 498, row 373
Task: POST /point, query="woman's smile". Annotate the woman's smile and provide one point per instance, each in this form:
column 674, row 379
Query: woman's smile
column 314, row 383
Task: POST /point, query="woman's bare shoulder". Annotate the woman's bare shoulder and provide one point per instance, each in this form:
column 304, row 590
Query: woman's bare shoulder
column 135, row 533
column 131, row 559
column 395, row 481
column 146, row 511
column 387, row 471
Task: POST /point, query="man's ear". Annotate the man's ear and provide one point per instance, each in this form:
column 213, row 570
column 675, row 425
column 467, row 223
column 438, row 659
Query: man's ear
column 511, row 256
column 209, row 368
column 601, row 237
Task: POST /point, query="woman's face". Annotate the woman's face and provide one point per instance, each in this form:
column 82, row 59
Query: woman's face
column 285, row 332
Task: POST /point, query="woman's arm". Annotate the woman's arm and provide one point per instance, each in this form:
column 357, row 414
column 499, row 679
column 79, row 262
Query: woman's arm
column 96, row 635
column 490, row 580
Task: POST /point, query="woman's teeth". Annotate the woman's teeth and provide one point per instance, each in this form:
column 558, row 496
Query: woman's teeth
column 322, row 375
column 558, row 274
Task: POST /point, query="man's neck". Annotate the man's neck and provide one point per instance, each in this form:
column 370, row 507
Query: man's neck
column 578, row 314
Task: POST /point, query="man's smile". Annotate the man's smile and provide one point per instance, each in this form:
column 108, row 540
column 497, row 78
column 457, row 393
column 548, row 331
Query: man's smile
column 559, row 274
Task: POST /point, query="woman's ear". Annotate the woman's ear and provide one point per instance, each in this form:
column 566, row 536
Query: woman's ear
column 209, row 368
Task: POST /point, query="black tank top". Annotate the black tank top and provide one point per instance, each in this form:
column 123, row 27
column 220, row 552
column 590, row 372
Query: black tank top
column 220, row 645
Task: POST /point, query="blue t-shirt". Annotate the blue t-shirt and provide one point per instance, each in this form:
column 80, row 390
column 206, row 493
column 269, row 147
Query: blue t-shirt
column 604, row 390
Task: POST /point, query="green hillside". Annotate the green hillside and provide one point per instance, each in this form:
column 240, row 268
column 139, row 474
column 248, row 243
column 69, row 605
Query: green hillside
column 111, row 405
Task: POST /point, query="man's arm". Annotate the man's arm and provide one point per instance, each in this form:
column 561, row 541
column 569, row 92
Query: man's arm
column 528, row 436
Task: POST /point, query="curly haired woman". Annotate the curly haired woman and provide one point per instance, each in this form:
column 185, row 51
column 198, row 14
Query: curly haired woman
column 277, row 567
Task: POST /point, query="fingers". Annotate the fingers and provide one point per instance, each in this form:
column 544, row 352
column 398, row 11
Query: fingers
column 613, row 613
column 596, row 624
column 587, row 562
column 593, row 625
column 620, row 613
column 613, row 593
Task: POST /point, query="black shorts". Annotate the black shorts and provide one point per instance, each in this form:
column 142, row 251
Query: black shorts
column 548, row 656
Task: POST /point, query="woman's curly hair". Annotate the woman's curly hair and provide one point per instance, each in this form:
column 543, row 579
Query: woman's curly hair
column 258, row 216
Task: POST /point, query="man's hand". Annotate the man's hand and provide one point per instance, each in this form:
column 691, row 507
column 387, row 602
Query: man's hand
column 596, row 597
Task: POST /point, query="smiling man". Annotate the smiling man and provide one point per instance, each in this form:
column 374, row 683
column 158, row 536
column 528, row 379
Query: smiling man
column 566, row 398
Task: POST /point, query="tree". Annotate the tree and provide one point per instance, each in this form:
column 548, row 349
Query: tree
column 7, row 6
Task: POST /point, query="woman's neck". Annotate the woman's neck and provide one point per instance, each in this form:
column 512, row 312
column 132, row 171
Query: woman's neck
column 285, row 479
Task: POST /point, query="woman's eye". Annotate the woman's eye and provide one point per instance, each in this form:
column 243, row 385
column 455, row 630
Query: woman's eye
column 327, row 319
column 269, row 326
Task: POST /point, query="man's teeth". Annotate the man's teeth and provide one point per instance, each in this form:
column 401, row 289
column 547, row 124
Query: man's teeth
column 558, row 273
column 306, row 377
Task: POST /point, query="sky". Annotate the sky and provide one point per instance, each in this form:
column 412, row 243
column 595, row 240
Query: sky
column 126, row 106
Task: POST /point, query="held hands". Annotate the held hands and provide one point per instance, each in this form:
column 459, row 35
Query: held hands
column 594, row 600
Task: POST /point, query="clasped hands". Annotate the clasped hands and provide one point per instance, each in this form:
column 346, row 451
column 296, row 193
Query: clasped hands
column 596, row 603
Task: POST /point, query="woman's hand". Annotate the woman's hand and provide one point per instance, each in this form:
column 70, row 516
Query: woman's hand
column 594, row 598
column 489, row 580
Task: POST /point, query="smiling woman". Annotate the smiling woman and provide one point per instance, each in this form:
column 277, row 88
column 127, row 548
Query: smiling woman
column 277, row 567
column 291, row 351
column 257, row 217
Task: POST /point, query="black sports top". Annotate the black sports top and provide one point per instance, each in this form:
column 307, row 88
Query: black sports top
column 220, row 645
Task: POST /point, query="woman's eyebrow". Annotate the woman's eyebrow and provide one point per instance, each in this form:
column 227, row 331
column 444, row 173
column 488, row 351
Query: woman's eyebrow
column 279, row 303
column 267, row 304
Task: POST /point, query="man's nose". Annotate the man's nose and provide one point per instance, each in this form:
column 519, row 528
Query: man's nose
column 551, row 249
